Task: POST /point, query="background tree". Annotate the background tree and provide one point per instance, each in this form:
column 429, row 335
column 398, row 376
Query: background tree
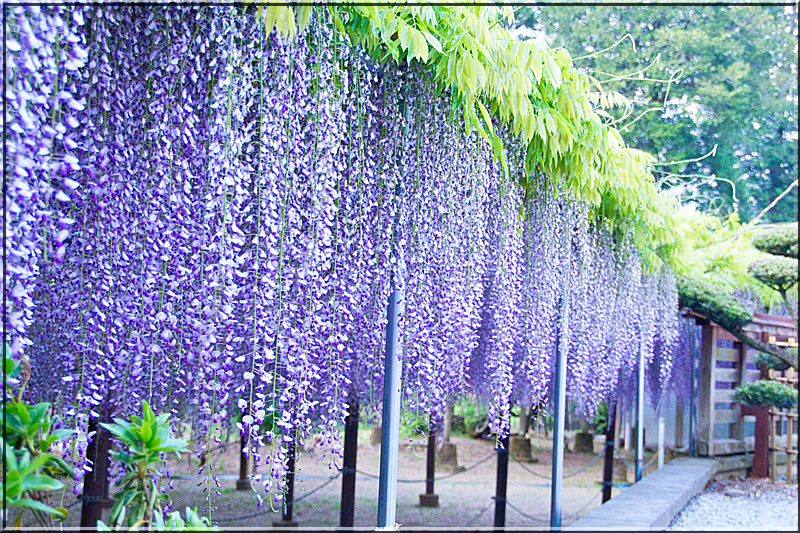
column 777, row 268
column 738, row 90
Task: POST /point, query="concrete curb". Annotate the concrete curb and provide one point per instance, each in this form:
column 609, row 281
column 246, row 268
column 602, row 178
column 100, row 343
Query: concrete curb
column 655, row 500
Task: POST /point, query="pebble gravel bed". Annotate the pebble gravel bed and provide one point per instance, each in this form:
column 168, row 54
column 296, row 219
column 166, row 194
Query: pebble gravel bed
column 741, row 505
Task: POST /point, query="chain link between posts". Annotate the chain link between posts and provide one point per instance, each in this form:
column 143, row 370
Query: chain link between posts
column 453, row 474
column 294, row 502
column 566, row 476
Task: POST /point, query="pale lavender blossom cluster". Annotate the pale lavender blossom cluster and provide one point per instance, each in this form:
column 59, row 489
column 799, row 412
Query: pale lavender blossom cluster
column 229, row 201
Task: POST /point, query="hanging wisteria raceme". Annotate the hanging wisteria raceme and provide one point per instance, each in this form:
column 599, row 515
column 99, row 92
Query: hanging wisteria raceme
column 44, row 51
column 546, row 219
column 500, row 314
column 593, row 369
column 232, row 240
column 680, row 374
column 441, row 204
column 661, row 372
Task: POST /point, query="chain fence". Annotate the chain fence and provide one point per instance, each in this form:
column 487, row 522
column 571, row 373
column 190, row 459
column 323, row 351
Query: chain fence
column 566, row 476
column 477, row 516
column 474, row 519
column 269, row 511
column 633, row 467
column 425, row 480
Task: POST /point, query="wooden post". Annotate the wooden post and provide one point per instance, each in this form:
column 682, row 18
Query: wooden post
column 736, row 429
column 790, row 378
column 705, row 403
column 429, row 499
column 347, row 511
column 773, row 418
column 761, row 451
column 661, row 447
column 608, row 460
column 640, row 414
column 628, row 431
column 502, row 483
column 288, row 502
column 95, row 482
column 562, row 347
column 678, row 423
column 242, row 483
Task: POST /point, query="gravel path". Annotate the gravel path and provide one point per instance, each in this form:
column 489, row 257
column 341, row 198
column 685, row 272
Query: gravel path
column 753, row 504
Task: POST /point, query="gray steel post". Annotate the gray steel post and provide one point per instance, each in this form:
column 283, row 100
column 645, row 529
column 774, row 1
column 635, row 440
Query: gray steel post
column 692, row 433
column 390, row 422
column 561, row 403
column 640, row 413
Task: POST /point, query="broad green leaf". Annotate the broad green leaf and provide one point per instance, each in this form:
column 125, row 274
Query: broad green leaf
column 420, row 46
column 40, row 482
column 22, row 411
column 12, row 486
column 147, row 412
column 39, row 506
column 553, row 70
column 123, row 433
column 147, row 432
column 304, row 16
column 38, row 462
column 486, row 116
column 404, row 34
column 434, row 42
column 536, row 65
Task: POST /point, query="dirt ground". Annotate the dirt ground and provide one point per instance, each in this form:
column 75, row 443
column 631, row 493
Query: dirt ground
column 465, row 499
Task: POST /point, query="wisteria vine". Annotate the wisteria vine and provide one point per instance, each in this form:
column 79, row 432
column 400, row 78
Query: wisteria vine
column 202, row 216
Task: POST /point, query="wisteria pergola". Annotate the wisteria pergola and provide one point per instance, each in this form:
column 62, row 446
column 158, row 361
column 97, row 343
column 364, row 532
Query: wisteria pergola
column 210, row 215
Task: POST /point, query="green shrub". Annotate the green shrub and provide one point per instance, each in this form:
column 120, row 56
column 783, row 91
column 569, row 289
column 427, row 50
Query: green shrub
column 472, row 415
column 705, row 298
column 781, row 240
column 600, row 420
column 776, row 272
column 29, row 469
column 413, row 425
column 137, row 505
column 765, row 392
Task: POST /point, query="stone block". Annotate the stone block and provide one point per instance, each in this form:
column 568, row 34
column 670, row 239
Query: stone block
column 520, row 448
column 447, row 456
column 429, row 500
column 584, row 443
column 375, row 436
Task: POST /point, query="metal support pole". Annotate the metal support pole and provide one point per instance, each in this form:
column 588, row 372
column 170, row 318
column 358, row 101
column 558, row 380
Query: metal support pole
column 502, row 484
column 608, row 459
column 640, row 413
column 390, row 421
column 561, row 403
column 693, row 394
column 94, row 482
column 390, row 429
column 347, row 510
column 661, row 448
